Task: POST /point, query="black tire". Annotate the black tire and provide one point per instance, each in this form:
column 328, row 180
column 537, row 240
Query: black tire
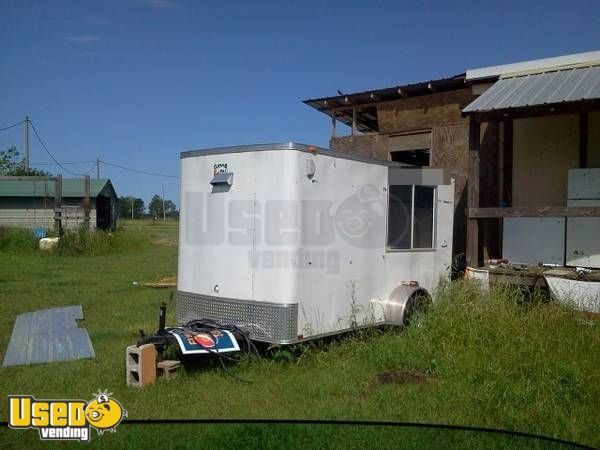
column 417, row 302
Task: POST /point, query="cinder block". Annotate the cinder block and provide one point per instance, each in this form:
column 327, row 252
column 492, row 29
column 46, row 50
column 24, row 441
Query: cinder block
column 168, row 368
column 140, row 363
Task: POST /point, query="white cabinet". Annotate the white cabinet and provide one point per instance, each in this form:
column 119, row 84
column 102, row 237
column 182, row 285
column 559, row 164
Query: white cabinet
column 533, row 240
column 583, row 233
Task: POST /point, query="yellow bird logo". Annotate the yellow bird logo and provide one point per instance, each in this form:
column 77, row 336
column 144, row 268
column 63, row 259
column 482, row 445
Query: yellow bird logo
column 104, row 413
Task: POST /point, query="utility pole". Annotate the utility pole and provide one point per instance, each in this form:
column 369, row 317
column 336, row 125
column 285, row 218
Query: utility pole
column 132, row 208
column 86, row 201
column 27, row 143
column 163, row 199
column 97, row 168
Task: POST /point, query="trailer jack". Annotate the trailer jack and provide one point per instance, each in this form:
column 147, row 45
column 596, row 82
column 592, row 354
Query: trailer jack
column 203, row 337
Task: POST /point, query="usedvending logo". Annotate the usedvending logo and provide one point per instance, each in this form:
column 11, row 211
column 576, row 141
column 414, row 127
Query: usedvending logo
column 65, row 419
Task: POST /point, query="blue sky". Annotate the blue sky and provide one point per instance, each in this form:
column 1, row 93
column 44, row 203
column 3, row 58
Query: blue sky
column 134, row 82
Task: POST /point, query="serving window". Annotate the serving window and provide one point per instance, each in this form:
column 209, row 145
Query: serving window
column 411, row 214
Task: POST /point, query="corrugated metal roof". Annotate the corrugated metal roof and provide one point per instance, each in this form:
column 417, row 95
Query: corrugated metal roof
column 71, row 187
column 48, row 335
column 560, row 86
column 536, row 65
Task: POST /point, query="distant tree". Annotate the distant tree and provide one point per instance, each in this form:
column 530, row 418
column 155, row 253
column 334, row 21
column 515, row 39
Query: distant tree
column 171, row 209
column 124, row 205
column 155, row 207
column 11, row 164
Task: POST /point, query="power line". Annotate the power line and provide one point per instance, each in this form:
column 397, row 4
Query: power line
column 154, row 174
column 70, row 162
column 57, row 163
column 12, row 126
column 91, row 169
column 50, row 154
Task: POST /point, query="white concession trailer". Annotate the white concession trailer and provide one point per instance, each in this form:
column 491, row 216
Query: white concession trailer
column 291, row 242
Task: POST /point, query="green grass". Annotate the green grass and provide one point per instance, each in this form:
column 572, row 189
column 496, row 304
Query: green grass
column 17, row 241
column 492, row 361
column 148, row 221
column 98, row 242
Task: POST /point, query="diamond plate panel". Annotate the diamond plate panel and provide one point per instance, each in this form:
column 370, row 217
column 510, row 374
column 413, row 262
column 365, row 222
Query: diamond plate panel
column 271, row 322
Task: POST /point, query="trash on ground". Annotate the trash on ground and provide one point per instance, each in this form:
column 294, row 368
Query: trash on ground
column 163, row 283
column 48, row 243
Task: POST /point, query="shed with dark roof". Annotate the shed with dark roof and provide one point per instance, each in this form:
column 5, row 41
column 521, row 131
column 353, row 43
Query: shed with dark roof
column 30, row 203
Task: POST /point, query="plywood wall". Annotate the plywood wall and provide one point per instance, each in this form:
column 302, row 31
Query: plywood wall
column 424, row 111
column 371, row 145
column 544, row 149
column 437, row 115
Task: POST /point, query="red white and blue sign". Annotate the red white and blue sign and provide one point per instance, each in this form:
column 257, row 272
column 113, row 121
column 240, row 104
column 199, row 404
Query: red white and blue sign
column 213, row 341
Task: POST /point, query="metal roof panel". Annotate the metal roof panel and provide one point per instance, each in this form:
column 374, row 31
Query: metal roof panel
column 569, row 85
column 71, row 187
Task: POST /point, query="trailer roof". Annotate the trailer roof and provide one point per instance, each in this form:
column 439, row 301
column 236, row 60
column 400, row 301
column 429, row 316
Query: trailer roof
column 285, row 146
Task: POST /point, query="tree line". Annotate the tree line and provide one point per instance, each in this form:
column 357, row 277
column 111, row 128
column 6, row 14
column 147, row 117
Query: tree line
column 128, row 206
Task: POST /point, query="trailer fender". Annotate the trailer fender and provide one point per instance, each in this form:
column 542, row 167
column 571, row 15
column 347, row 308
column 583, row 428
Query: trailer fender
column 403, row 302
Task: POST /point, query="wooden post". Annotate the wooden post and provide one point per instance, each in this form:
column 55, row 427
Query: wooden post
column 583, row 140
column 332, row 124
column 507, row 161
column 353, row 120
column 27, row 143
column 86, row 201
column 58, row 205
column 473, row 193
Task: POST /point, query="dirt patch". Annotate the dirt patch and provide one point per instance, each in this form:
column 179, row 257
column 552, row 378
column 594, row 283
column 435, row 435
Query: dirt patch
column 399, row 376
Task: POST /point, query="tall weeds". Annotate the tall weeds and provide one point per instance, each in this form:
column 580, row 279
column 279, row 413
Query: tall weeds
column 74, row 243
column 17, row 241
column 95, row 243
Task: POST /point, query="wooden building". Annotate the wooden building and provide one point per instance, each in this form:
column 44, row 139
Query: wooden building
column 418, row 123
column 545, row 183
column 516, row 156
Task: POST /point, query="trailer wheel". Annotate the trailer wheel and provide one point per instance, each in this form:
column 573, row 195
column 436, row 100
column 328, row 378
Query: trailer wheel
column 417, row 303
column 404, row 302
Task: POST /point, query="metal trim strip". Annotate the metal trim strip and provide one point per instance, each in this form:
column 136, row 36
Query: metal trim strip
column 286, row 146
